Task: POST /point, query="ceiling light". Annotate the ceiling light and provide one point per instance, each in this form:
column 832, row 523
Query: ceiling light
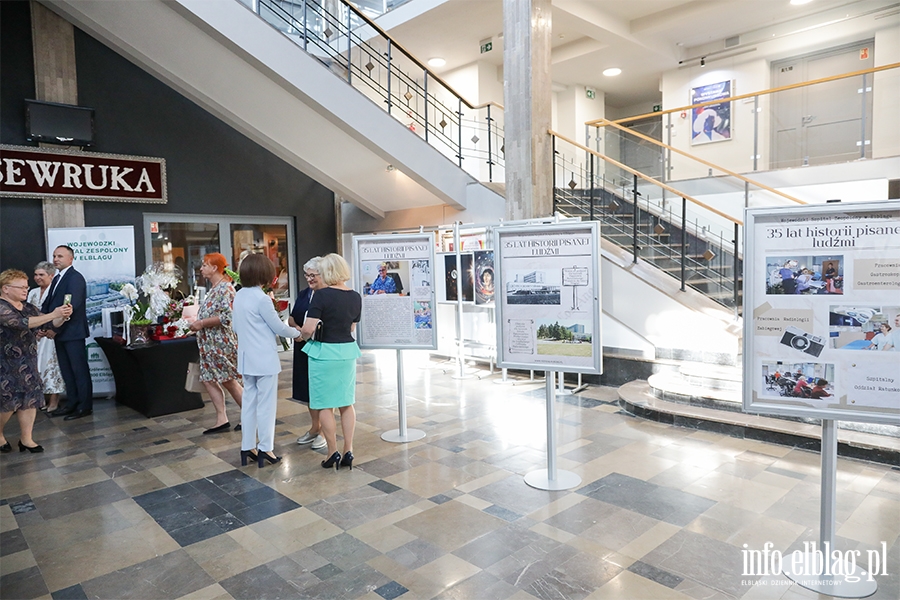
column 437, row 61
column 800, row 2
column 612, row 72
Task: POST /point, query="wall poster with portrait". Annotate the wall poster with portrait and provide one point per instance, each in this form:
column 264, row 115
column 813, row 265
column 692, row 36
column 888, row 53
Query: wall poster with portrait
column 711, row 123
column 548, row 297
column 822, row 311
column 395, row 277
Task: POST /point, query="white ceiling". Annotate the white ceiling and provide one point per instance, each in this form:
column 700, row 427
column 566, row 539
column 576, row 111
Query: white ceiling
column 644, row 38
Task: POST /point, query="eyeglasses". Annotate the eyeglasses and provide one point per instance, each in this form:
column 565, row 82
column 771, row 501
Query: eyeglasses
column 311, row 275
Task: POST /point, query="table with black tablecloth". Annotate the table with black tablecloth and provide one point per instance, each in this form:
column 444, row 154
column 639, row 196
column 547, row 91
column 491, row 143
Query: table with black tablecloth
column 150, row 379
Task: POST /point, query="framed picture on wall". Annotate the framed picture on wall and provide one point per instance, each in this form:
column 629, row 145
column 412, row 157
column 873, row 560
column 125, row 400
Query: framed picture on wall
column 711, row 123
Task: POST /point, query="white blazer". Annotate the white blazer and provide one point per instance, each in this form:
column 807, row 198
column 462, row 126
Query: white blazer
column 256, row 323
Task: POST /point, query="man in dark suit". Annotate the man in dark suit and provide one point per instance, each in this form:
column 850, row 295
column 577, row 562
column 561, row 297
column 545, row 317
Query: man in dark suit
column 70, row 349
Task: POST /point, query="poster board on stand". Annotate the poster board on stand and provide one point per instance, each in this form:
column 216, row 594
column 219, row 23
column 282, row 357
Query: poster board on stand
column 822, row 303
column 548, row 297
column 105, row 257
column 399, row 313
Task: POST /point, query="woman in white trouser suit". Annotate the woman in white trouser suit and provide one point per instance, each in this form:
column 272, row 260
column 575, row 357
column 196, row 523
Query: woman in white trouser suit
column 256, row 323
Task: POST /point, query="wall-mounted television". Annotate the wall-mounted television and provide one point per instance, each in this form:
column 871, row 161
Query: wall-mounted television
column 55, row 123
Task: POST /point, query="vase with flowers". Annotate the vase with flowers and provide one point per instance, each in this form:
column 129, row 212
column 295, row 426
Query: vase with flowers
column 148, row 300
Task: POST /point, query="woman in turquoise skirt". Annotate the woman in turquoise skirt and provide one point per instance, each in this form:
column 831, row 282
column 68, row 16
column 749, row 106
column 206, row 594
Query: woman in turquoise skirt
column 332, row 358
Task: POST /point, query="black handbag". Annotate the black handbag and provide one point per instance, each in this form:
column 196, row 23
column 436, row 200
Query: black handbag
column 317, row 335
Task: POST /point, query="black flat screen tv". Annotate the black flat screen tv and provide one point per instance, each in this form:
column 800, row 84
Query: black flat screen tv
column 59, row 123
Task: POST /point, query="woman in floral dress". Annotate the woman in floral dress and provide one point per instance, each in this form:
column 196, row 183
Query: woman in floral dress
column 217, row 341
column 48, row 364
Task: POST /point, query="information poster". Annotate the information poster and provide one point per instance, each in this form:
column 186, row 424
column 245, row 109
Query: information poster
column 548, row 297
column 483, row 274
column 711, row 123
column 105, row 257
column 395, row 276
column 822, row 312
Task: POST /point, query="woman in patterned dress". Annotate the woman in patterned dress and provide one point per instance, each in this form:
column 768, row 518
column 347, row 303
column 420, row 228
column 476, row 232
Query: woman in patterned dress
column 21, row 391
column 217, row 341
column 48, row 365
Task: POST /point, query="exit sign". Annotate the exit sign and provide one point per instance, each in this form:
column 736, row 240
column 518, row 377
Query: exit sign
column 657, row 108
column 487, row 46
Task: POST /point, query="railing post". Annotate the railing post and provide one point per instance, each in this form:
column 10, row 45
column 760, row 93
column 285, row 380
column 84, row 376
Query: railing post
column 460, row 115
column 634, row 222
column 755, row 133
column 490, row 160
column 591, row 158
column 389, row 76
column 683, row 240
column 667, row 171
column 736, row 233
column 349, row 43
column 553, row 171
column 305, row 27
column 862, row 121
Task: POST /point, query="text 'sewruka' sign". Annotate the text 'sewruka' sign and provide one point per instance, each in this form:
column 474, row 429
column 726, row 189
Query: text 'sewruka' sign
column 27, row 172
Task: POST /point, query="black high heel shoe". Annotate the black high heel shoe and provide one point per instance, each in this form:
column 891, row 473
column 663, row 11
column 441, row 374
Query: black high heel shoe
column 245, row 454
column 347, row 460
column 32, row 449
column 333, row 461
column 265, row 456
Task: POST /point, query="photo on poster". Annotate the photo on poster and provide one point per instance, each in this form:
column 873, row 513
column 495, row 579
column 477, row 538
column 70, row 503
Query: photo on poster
column 807, row 275
column 802, row 380
column 451, row 278
column 802, row 341
column 711, row 123
column 421, row 273
column 423, row 315
column 386, row 277
column 533, row 286
column 563, row 337
column 484, row 277
column 864, row 327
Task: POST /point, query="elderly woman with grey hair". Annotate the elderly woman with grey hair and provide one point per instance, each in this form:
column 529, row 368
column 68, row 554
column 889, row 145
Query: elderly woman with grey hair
column 48, row 365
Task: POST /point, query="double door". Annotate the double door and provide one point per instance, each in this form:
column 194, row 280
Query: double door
column 825, row 123
column 181, row 241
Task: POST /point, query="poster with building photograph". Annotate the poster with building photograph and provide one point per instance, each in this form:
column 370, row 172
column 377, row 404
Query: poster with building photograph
column 547, row 295
column 105, row 257
column 395, row 277
column 822, row 311
column 711, row 123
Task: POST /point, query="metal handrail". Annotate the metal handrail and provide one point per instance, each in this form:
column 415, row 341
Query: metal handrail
column 429, row 107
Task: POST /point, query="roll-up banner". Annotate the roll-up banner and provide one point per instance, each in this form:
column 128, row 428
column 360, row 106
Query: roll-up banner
column 548, row 297
column 105, row 257
column 822, row 311
column 395, row 276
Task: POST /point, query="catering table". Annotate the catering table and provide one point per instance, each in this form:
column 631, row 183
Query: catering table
column 150, row 379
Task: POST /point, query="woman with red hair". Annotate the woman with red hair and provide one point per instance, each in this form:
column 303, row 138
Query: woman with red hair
column 217, row 341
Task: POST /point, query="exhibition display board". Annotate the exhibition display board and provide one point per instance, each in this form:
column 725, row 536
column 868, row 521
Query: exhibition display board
column 548, row 297
column 822, row 311
column 395, row 277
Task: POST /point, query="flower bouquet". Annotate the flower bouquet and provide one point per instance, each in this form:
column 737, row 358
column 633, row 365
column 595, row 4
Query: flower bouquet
column 148, row 299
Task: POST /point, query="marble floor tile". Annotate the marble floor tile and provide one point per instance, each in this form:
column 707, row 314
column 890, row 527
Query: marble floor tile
column 125, row 506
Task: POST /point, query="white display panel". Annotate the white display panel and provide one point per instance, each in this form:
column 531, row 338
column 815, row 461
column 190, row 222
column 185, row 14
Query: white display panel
column 548, row 297
column 399, row 313
column 822, row 302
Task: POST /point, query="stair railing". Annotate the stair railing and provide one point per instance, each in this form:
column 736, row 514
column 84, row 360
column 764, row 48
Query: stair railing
column 664, row 226
column 355, row 48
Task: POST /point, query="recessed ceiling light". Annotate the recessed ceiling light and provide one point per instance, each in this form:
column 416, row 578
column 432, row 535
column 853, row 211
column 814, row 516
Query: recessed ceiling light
column 799, row 2
column 612, row 72
column 437, row 61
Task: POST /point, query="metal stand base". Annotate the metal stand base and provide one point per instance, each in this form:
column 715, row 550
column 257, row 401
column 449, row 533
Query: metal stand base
column 540, row 479
column 834, row 585
column 394, row 436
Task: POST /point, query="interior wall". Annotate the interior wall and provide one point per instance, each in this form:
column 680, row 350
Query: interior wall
column 211, row 168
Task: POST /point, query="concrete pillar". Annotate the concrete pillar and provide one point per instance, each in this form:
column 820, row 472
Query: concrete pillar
column 53, row 42
column 527, row 26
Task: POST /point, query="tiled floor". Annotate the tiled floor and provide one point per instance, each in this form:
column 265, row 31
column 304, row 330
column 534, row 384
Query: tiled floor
column 120, row 506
